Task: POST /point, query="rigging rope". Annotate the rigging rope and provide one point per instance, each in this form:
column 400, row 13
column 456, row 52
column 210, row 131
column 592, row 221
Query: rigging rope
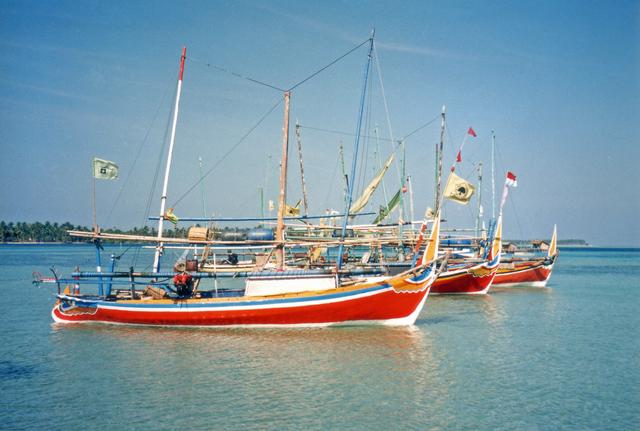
column 404, row 138
column 328, row 65
column 386, row 110
column 225, row 155
column 236, row 74
column 272, row 86
column 155, row 178
column 338, row 132
column 511, row 197
column 269, row 112
column 137, row 156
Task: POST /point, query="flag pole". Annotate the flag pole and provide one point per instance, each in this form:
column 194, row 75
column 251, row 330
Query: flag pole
column 96, row 240
column 95, row 223
column 439, row 151
column 493, row 175
column 479, row 216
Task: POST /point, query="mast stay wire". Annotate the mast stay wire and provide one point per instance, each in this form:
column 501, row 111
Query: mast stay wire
column 420, row 128
column 225, row 155
column 327, row 66
column 360, row 184
column 388, row 118
column 404, row 138
column 463, row 172
column 236, row 74
column 147, row 211
column 338, row 132
column 138, row 152
column 274, row 87
column 513, row 205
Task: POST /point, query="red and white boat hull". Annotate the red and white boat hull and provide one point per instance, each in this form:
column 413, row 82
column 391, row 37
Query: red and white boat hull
column 469, row 281
column 524, row 274
column 395, row 301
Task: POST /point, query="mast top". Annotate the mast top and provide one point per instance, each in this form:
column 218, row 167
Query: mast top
column 182, row 58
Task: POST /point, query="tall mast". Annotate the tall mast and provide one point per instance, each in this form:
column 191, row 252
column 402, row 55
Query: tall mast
column 384, row 189
column 304, row 187
column 283, row 184
column 355, row 153
column 479, row 218
column 163, row 198
column 439, row 151
column 204, row 205
column 410, row 197
column 403, row 188
column 493, row 175
column 345, row 191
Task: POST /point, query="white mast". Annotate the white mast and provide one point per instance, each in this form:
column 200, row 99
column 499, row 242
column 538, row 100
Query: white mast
column 410, row 197
column 493, row 175
column 163, row 199
column 479, row 218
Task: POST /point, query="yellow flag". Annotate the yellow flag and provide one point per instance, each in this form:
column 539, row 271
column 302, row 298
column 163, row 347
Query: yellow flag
column 458, row 190
column 292, row 211
column 169, row 215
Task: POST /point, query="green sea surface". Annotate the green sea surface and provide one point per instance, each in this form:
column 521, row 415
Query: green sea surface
column 563, row 357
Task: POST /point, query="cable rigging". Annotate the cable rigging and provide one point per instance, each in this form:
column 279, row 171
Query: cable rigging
column 262, row 83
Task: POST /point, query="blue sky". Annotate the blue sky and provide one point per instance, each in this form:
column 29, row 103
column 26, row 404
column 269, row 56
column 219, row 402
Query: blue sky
column 558, row 82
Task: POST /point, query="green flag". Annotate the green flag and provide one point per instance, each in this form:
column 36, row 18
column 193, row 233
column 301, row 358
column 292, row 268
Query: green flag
column 384, row 212
column 104, row 169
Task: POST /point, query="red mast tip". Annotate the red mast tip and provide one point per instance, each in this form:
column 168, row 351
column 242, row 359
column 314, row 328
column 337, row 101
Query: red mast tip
column 182, row 58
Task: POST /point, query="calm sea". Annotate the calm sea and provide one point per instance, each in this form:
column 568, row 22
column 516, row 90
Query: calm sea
column 563, row 357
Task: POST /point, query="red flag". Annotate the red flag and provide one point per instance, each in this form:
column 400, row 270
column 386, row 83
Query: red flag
column 511, row 179
column 471, row 132
column 459, row 157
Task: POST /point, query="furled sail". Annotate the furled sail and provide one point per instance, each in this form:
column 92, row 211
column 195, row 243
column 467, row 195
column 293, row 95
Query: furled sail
column 359, row 204
column 385, row 211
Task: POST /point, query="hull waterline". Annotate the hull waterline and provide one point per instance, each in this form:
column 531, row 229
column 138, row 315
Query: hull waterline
column 472, row 281
column 524, row 274
column 395, row 302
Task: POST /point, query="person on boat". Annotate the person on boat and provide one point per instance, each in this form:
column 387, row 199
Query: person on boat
column 183, row 282
column 232, row 258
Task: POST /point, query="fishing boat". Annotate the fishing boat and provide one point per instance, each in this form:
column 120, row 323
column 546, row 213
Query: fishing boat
column 469, row 276
column 280, row 297
column 285, row 298
column 532, row 272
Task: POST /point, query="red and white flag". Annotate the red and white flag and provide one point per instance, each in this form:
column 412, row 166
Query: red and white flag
column 511, row 180
column 471, row 132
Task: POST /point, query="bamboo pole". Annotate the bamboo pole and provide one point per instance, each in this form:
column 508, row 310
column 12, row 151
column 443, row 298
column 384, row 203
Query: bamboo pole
column 283, row 184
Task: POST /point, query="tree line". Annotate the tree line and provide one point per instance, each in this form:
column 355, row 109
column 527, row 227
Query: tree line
column 54, row 232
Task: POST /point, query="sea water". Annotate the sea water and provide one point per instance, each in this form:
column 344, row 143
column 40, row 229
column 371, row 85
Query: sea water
column 562, row 357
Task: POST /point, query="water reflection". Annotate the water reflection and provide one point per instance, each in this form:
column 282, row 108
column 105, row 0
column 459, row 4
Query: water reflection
column 301, row 372
column 447, row 309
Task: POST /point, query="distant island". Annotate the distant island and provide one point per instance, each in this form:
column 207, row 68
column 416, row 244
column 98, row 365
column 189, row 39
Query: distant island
column 561, row 242
column 48, row 232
